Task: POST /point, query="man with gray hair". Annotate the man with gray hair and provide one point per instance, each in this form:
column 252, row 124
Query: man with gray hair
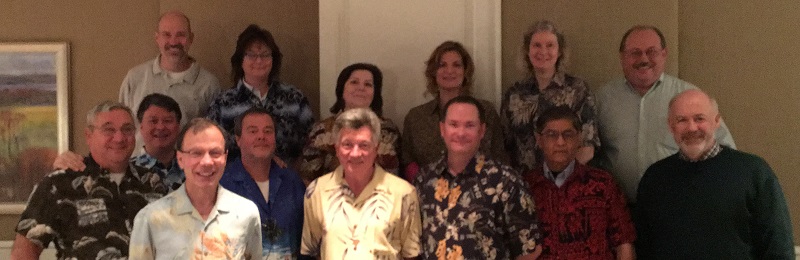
column 632, row 110
column 360, row 211
column 708, row 201
column 89, row 213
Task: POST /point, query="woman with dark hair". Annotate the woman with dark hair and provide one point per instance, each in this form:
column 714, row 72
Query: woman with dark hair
column 449, row 73
column 548, row 86
column 256, row 64
column 358, row 86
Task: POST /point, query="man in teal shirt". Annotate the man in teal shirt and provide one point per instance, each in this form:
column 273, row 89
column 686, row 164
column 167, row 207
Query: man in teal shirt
column 632, row 110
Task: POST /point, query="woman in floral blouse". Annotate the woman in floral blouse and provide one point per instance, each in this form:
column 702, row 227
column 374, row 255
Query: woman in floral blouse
column 358, row 86
column 548, row 86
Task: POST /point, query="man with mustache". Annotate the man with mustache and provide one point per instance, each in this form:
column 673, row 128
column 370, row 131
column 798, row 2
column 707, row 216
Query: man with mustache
column 173, row 73
column 276, row 190
column 632, row 110
column 709, row 201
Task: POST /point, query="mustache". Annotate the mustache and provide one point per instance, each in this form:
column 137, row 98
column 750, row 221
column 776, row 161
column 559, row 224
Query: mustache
column 642, row 65
column 176, row 46
column 693, row 135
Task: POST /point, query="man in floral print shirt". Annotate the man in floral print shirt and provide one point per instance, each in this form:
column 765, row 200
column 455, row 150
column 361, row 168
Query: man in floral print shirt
column 89, row 214
column 473, row 207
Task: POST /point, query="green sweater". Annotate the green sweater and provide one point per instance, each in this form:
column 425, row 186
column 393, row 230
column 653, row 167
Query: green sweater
column 727, row 207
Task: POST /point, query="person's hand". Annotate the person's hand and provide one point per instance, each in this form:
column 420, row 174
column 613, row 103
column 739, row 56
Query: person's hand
column 69, row 160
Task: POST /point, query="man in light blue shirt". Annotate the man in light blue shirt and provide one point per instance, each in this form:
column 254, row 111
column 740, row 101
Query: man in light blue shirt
column 201, row 219
column 632, row 110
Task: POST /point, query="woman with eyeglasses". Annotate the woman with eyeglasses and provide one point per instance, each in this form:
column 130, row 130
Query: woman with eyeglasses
column 256, row 65
column 358, row 86
column 547, row 86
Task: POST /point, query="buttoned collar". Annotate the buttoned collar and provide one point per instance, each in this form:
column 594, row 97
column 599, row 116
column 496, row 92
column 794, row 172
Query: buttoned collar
column 191, row 75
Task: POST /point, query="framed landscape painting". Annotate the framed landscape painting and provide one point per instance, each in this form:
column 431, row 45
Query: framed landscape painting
column 34, row 116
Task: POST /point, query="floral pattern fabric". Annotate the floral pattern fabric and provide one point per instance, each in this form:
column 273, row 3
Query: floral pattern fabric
column 586, row 218
column 319, row 155
column 171, row 228
column 382, row 222
column 485, row 212
column 85, row 213
column 523, row 103
column 173, row 176
column 289, row 108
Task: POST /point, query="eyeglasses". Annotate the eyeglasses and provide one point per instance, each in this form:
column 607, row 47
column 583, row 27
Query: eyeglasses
column 361, row 146
column 254, row 56
column 552, row 135
column 197, row 153
column 108, row 131
column 636, row 53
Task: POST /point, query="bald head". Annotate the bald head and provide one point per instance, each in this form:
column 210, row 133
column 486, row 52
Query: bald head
column 693, row 119
column 174, row 37
column 696, row 96
column 175, row 16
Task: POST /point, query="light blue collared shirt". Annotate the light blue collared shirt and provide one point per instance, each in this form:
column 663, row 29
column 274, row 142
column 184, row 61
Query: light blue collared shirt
column 634, row 130
column 559, row 180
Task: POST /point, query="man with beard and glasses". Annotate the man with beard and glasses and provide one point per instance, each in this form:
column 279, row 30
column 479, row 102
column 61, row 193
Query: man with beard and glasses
column 632, row 110
column 173, row 73
column 709, row 201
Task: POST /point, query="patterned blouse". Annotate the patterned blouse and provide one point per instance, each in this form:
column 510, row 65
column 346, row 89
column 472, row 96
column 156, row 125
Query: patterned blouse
column 585, row 218
column 288, row 106
column 319, row 155
column 381, row 223
column 485, row 212
column 85, row 213
column 523, row 104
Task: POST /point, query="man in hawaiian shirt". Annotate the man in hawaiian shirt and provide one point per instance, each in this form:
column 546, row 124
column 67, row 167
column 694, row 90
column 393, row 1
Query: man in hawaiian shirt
column 88, row 214
column 569, row 194
column 201, row 219
column 159, row 121
column 472, row 206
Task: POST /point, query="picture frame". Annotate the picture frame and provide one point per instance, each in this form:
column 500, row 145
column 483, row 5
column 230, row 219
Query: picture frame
column 34, row 116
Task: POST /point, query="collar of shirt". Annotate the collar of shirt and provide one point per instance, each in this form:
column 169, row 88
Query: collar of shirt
column 655, row 84
column 93, row 168
column 711, row 153
column 562, row 177
column 183, row 205
column 254, row 91
column 189, row 78
column 375, row 184
column 474, row 167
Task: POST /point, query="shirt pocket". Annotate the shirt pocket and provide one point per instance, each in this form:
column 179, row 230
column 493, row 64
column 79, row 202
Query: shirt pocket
column 91, row 212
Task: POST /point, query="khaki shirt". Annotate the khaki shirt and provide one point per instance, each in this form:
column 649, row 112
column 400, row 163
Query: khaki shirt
column 383, row 222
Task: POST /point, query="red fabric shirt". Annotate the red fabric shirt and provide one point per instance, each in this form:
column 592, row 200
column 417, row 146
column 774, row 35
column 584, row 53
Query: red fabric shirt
column 586, row 218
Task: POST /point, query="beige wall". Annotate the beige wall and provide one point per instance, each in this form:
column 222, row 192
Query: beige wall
column 109, row 37
column 744, row 53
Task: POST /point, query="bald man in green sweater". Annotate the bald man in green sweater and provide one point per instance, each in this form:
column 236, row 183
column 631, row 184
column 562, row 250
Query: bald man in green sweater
column 709, row 201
